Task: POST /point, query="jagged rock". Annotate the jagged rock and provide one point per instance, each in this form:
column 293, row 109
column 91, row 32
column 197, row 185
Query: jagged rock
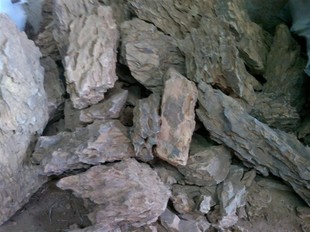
column 146, row 127
column 173, row 223
column 208, row 167
column 255, row 143
column 123, row 193
column 167, row 173
column 232, row 195
column 173, row 17
column 212, row 57
column 185, row 198
column 303, row 212
column 24, row 114
column 120, row 9
column 177, row 118
column 252, row 41
column 72, row 116
column 205, row 204
column 284, row 69
column 109, row 108
column 97, row 143
column 53, row 86
column 149, row 53
column 198, row 144
column 276, row 111
column 90, row 60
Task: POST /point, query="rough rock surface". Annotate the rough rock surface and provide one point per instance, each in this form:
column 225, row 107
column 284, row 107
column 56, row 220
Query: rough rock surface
column 254, row 142
column 122, row 193
column 146, row 126
column 24, row 114
column 177, row 118
column 212, row 57
column 97, row 143
column 208, row 167
column 149, row 53
column 54, row 87
column 91, row 57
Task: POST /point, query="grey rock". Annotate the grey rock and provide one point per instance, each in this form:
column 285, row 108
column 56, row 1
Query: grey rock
column 71, row 116
column 205, row 204
column 276, row 111
column 149, row 53
column 123, row 193
column 146, row 126
column 24, row 114
column 208, row 167
column 303, row 212
column 97, row 143
column 54, row 88
column 90, row 60
column 232, row 195
column 198, row 144
column 284, row 69
column 120, row 9
column 212, row 57
column 168, row 174
column 255, row 143
column 177, row 118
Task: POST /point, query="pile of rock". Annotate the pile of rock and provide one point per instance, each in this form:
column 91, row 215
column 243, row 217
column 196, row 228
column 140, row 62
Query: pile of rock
column 161, row 123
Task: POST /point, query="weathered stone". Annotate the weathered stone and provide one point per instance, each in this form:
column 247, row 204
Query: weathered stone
column 212, row 57
column 24, row 114
column 127, row 192
column 185, row 198
column 231, row 194
column 177, row 118
column 91, row 57
column 54, row 87
column 97, row 143
column 120, row 9
column 174, row 17
column 303, row 212
column 72, row 116
column 205, row 204
column 167, row 173
column 252, row 41
column 284, row 69
column 173, row 223
column 149, row 53
column 198, row 144
column 208, row 167
column 276, row 111
column 255, row 143
column 146, row 127
column 109, row 108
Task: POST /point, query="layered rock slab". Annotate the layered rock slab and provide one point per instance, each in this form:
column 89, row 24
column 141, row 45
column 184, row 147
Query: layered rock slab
column 23, row 116
column 149, row 53
column 177, row 118
column 97, row 143
column 255, row 143
column 124, row 193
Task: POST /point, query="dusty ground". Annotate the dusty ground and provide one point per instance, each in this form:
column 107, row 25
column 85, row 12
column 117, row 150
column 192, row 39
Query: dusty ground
column 271, row 208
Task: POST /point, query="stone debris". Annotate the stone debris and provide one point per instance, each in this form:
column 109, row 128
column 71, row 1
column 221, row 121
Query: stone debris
column 177, row 118
column 100, row 142
column 159, row 116
column 121, row 193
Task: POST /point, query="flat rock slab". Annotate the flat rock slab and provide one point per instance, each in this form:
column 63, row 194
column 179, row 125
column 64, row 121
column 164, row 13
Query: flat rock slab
column 123, row 193
column 97, row 143
column 255, row 143
column 177, row 118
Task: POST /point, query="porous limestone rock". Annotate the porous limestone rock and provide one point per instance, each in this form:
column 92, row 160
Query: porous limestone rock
column 255, row 143
column 177, row 118
column 97, row 143
column 146, row 126
column 208, row 167
column 23, row 116
column 149, row 53
column 123, row 193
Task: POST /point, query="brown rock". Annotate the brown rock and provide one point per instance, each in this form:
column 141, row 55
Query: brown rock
column 124, row 193
column 97, row 143
column 91, row 57
column 146, row 127
column 23, row 116
column 255, row 143
column 178, row 119
column 149, row 53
